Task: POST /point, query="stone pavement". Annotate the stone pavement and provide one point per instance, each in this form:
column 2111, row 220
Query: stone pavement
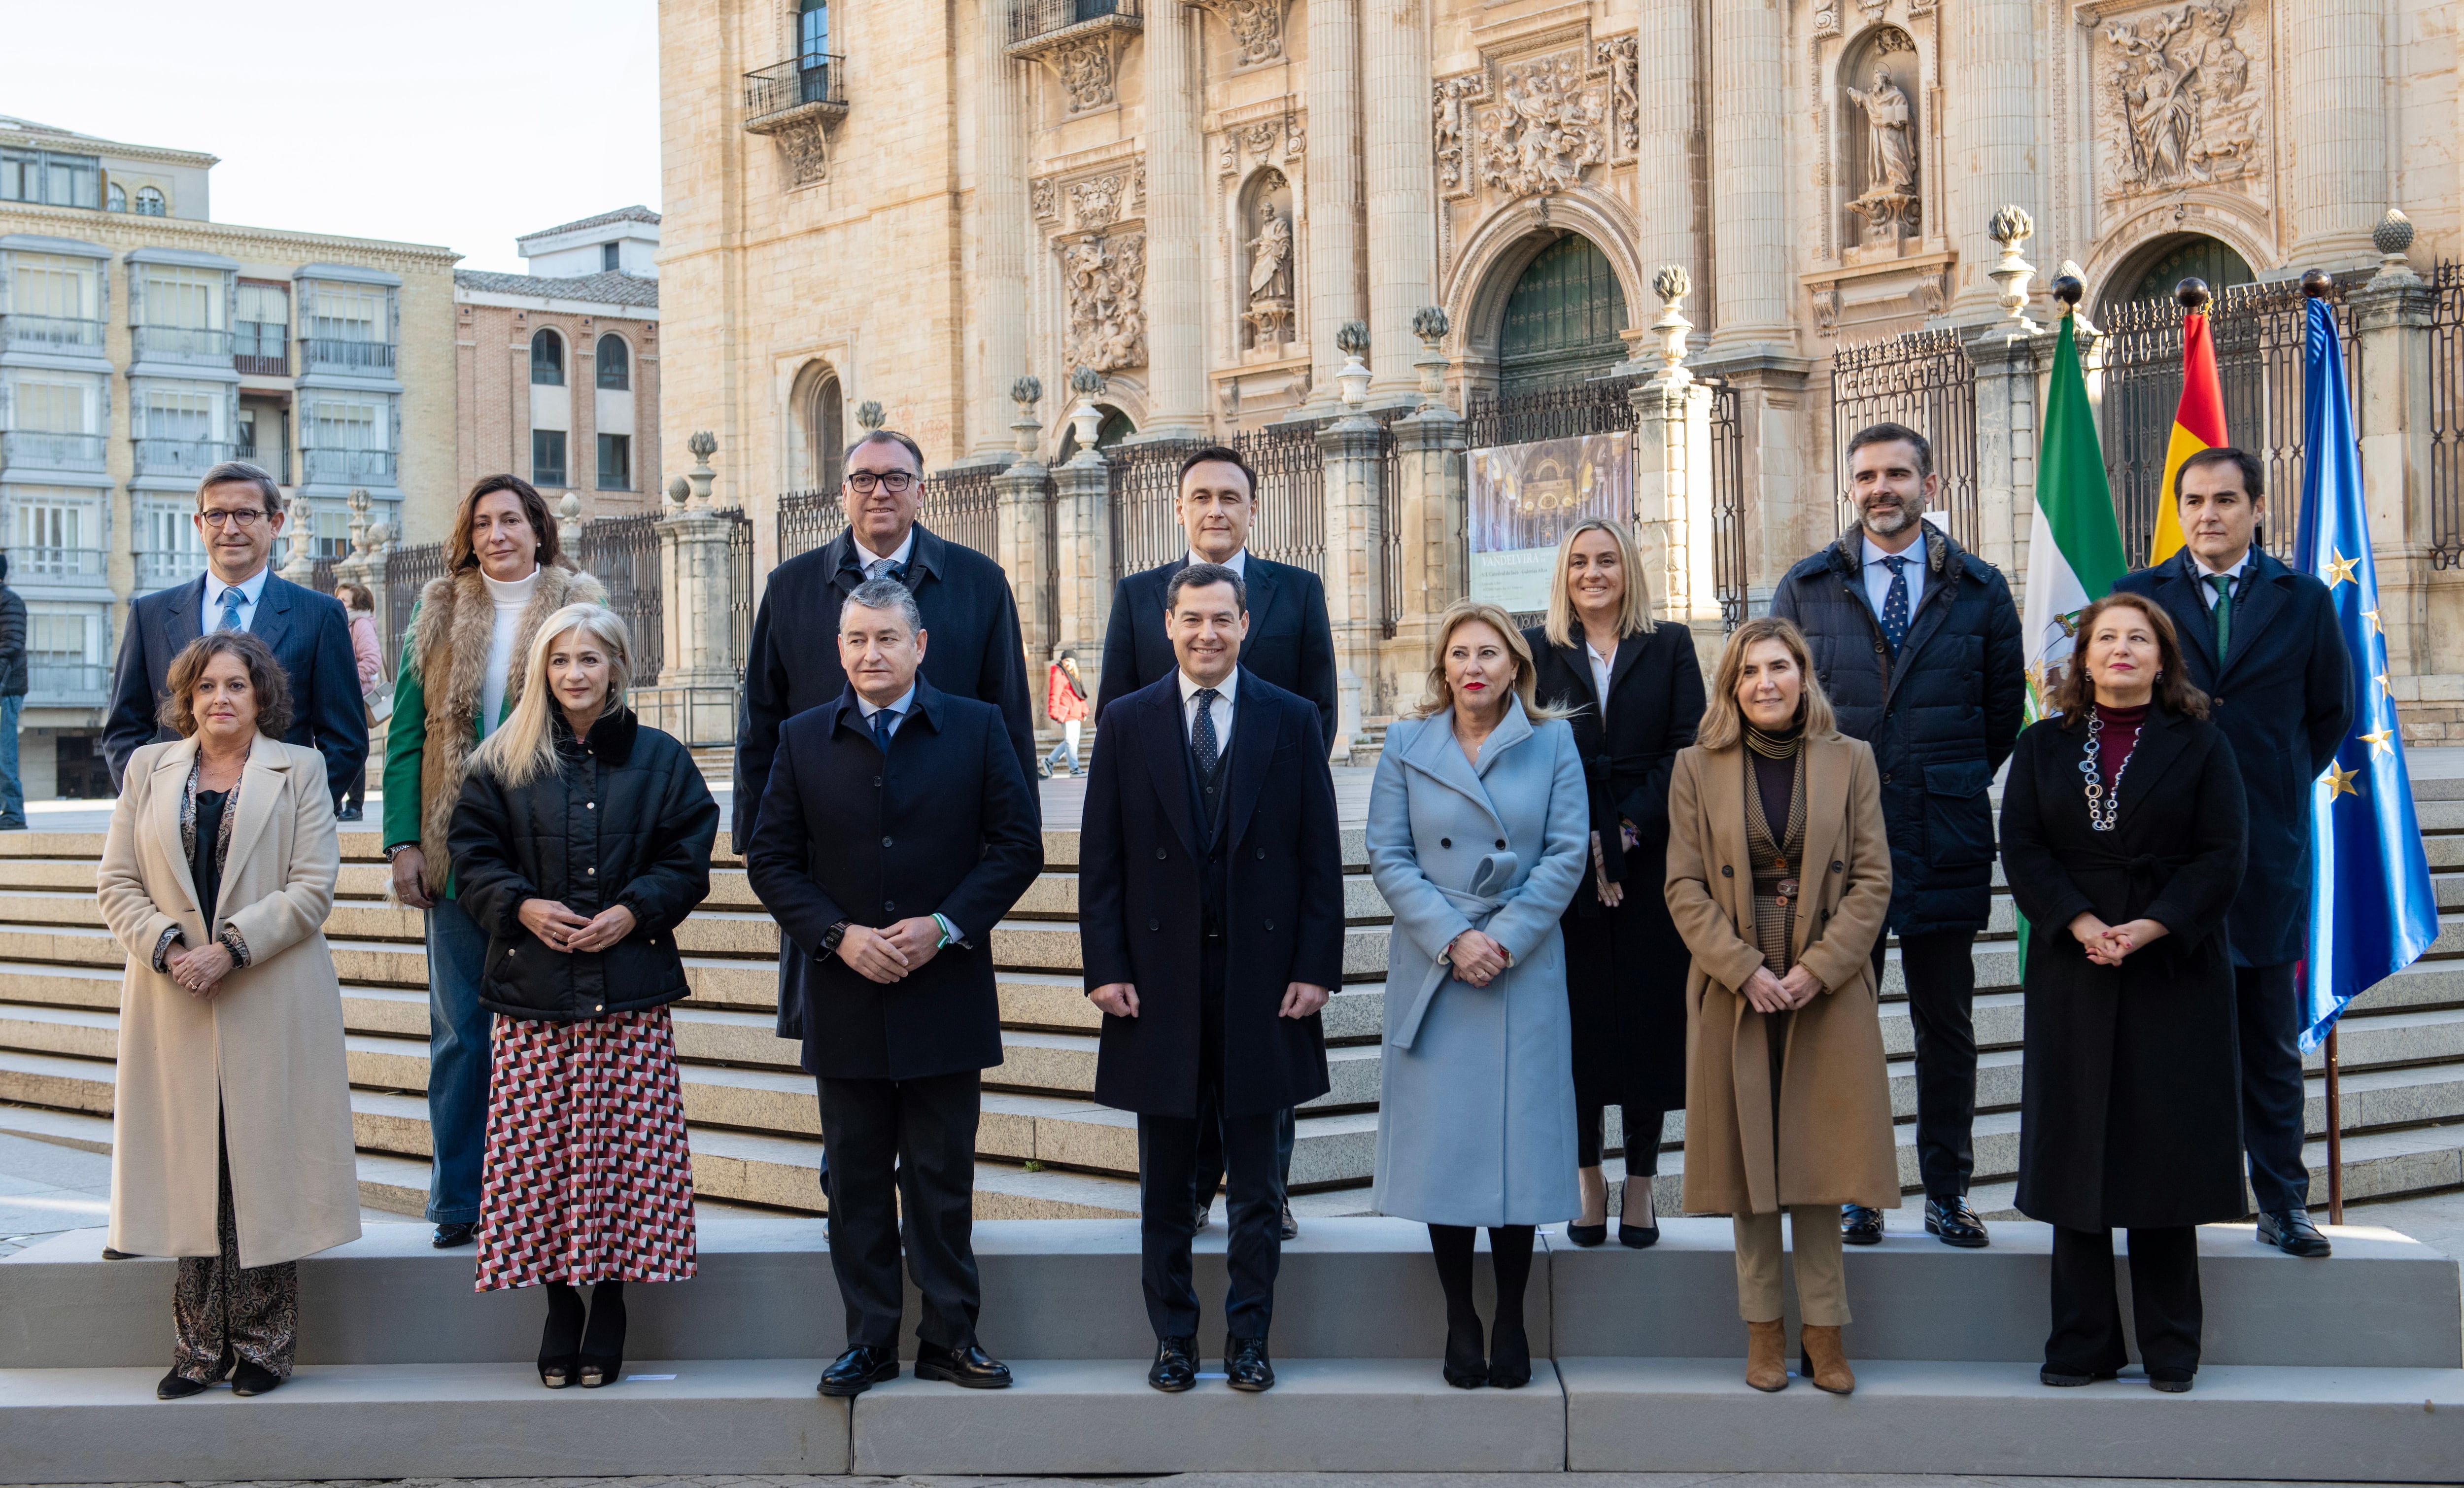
column 1302, row 1480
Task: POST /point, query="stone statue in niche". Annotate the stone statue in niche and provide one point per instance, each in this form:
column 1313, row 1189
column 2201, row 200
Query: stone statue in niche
column 1890, row 145
column 1267, row 310
column 2179, row 100
column 1887, row 200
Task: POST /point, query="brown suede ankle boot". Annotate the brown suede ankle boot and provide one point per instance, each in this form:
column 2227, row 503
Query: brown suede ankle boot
column 1766, row 1356
column 1826, row 1363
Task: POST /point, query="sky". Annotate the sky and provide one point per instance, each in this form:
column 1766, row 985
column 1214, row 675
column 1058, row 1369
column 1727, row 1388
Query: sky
column 460, row 122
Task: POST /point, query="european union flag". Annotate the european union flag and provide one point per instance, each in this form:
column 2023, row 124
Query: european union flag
column 2373, row 911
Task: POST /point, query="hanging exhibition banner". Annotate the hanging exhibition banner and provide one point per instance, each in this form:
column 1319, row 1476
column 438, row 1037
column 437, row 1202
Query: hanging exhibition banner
column 1527, row 497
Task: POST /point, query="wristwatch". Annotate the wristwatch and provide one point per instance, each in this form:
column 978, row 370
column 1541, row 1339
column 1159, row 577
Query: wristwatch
column 831, row 937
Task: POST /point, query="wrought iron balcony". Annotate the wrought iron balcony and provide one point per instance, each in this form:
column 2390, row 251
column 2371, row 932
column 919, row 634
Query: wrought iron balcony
column 189, row 457
column 333, row 466
column 182, row 343
column 1040, row 25
column 42, row 450
column 31, row 564
column 66, row 684
column 340, row 354
column 51, row 333
column 157, row 569
column 262, row 348
column 812, row 86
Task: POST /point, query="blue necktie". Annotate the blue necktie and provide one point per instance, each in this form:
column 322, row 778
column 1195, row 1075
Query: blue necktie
column 1201, row 731
column 881, row 727
column 1894, row 603
column 231, row 600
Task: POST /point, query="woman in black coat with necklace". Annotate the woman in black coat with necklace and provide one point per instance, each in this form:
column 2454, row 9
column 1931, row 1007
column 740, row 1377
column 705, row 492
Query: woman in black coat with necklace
column 1635, row 691
column 2123, row 827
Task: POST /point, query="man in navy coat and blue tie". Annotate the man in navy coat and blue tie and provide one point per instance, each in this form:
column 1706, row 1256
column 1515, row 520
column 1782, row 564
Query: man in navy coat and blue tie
column 1210, row 896
column 239, row 514
column 2262, row 642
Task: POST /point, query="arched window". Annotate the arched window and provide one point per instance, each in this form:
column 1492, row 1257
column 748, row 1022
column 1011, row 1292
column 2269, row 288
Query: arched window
column 813, row 31
column 547, row 360
column 118, row 197
column 615, row 364
column 1562, row 319
column 822, row 417
column 149, row 202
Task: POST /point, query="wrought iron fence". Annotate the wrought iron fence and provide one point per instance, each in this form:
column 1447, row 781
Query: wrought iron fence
column 408, row 570
column 1598, row 407
column 739, row 584
column 807, row 519
column 1390, row 520
column 1289, row 526
column 1922, row 379
column 1146, row 487
column 2259, row 331
column 1727, row 504
column 2447, row 417
column 960, row 506
column 622, row 552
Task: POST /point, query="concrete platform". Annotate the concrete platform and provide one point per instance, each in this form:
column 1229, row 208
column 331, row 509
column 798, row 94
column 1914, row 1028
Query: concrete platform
column 1979, row 1420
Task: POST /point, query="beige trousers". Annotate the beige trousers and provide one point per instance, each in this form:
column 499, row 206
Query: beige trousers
column 1821, row 1275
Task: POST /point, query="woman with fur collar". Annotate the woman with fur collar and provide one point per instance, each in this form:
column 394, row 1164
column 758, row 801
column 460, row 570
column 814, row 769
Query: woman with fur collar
column 504, row 573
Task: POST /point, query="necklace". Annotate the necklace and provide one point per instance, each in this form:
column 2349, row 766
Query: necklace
column 2103, row 803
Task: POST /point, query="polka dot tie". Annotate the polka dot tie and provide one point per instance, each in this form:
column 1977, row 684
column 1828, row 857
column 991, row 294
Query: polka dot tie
column 1894, row 603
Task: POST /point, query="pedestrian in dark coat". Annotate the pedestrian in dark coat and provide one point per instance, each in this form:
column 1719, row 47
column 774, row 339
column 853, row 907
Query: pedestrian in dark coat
column 582, row 841
column 2129, row 1107
column 2272, row 658
column 898, row 828
column 1210, row 901
column 1625, row 963
column 1917, row 644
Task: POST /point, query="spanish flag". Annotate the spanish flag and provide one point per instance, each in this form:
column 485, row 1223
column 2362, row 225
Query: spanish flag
column 2198, row 424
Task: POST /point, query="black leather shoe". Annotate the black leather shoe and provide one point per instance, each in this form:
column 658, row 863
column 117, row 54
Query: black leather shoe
column 2061, row 1381
column 250, row 1379
column 1290, row 1228
column 1175, row 1365
column 1586, row 1236
column 1859, row 1224
column 450, row 1236
column 108, row 1253
column 176, row 1386
column 1955, row 1224
column 970, row 1367
column 859, row 1369
column 2291, row 1231
column 2171, row 1385
column 1245, row 1365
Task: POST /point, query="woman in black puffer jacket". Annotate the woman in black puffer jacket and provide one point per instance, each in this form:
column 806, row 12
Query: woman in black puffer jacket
column 582, row 841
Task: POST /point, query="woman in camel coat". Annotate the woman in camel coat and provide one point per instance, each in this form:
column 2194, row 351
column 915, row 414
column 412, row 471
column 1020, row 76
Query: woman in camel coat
column 1788, row 1104
column 232, row 1124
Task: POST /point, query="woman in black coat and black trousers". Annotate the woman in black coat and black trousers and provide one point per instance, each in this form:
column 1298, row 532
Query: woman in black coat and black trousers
column 582, row 841
column 2123, row 826
column 1635, row 691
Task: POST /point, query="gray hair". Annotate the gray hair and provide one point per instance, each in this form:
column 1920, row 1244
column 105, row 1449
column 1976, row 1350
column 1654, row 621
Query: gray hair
column 1199, row 576
column 240, row 472
column 888, row 596
column 913, row 451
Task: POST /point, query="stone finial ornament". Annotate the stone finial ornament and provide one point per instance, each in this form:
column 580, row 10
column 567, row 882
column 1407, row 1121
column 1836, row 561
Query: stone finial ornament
column 1087, row 382
column 703, row 444
column 1430, row 324
column 1026, row 392
column 2393, row 234
column 2010, row 226
column 1672, row 284
column 1353, row 339
column 568, row 522
column 870, row 415
column 678, row 492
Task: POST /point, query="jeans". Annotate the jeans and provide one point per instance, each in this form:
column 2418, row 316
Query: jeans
column 459, row 1031
column 1066, row 748
column 12, row 790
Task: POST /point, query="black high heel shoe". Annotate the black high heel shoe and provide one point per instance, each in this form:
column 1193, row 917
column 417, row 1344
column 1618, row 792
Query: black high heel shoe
column 560, row 1357
column 1640, row 1237
column 603, row 1343
column 1466, row 1367
column 1586, row 1236
column 1509, row 1356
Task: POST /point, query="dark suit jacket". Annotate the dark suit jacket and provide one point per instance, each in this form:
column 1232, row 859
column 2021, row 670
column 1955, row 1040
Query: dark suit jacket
column 1290, row 643
column 973, row 649
column 1138, row 901
column 945, row 825
column 2283, row 698
column 311, row 636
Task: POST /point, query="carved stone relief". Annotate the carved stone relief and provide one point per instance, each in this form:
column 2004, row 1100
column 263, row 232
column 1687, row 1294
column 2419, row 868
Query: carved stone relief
column 1096, row 203
column 1086, row 69
column 2179, row 99
column 806, row 150
column 1105, row 282
column 1295, row 141
column 1260, row 137
column 1256, row 26
column 1547, row 125
column 1452, row 129
column 1617, row 58
column 1046, row 199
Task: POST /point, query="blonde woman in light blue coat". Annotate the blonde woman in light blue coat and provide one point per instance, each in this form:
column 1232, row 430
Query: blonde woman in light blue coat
column 1479, row 827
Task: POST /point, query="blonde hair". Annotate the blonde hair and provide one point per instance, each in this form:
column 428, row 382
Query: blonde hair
column 1634, row 615
column 1722, row 723
column 525, row 748
column 1440, row 698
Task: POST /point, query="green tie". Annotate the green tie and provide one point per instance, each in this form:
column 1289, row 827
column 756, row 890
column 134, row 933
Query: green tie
column 2222, row 583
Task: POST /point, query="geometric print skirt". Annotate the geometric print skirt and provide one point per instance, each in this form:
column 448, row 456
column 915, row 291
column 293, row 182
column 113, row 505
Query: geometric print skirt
column 588, row 1176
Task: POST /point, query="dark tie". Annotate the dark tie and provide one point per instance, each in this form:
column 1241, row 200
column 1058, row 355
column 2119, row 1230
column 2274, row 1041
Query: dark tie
column 1894, row 603
column 882, row 722
column 232, row 599
column 2223, row 585
column 885, row 569
column 1202, row 732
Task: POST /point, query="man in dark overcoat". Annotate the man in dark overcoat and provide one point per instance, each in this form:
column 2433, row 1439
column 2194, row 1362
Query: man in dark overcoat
column 1210, row 901
column 897, row 830
column 1917, row 643
column 2263, row 643
column 1290, row 644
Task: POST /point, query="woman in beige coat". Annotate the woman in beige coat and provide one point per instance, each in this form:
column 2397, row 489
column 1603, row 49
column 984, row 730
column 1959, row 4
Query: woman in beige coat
column 1779, row 879
column 231, row 1123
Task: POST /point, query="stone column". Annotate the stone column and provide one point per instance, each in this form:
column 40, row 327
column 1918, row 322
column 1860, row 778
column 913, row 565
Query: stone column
column 1990, row 115
column 1082, row 519
column 1429, row 463
column 1175, row 214
column 1023, row 493
column 1331, row 186
column 1675, row 518
column 698, row 677
column 2007, row 354
column 1402, row 199
column 1355, row 553
column 1664, row 91
column 1749, row 103
column 2336, row 52
column 1002, row 233
column 2394, row 421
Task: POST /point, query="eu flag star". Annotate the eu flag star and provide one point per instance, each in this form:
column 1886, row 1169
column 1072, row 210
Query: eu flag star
column 2339, row 570
column 2372, row 616
column 2378, row 741
column 2338, row 781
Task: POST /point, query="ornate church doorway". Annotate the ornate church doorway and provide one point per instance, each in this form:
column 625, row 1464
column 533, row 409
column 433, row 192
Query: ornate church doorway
column 1562, row 320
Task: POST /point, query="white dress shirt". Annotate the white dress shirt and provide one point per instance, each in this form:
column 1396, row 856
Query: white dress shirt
column 1237, row 562
column 1221, row 710
column 2207, row 590
column 1877, row 577
column 897, row 710
column 1600, row 668
column 209, row 617
column 870, row 561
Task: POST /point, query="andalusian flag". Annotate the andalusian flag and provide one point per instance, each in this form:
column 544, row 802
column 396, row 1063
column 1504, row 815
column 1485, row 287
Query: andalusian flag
column 2073, row 544
column 2198, row 424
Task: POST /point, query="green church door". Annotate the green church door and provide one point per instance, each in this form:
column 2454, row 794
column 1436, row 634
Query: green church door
column 1562, row 320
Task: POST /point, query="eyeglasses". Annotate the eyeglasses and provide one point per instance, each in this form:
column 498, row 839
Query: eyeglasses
column 894, row 481
column 219, row 520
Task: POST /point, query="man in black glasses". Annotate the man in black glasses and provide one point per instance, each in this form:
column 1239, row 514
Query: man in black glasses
column 239, row 514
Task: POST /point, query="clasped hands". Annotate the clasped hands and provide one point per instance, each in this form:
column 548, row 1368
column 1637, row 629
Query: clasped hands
column 1478, row 958
column 1121, row 999
column 888, row 955
column 560, row 929
column 200, row 973
column 2108, row 943
column 1769, row 993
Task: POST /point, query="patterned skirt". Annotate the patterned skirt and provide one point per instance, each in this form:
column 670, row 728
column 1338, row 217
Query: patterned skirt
column 588, row 1176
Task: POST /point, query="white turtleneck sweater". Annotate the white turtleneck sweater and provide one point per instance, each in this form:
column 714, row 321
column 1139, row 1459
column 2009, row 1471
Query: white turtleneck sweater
column 510, row 599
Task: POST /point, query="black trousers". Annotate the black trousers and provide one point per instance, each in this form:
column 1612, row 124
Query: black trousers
column 1210, row 1158
column 2164, row 1302
column 2272, row 1090
column 911, row 1143
column 1642, row 1132
column 1941, row 975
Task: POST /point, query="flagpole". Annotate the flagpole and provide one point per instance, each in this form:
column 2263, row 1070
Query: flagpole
column 2335, row 1139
